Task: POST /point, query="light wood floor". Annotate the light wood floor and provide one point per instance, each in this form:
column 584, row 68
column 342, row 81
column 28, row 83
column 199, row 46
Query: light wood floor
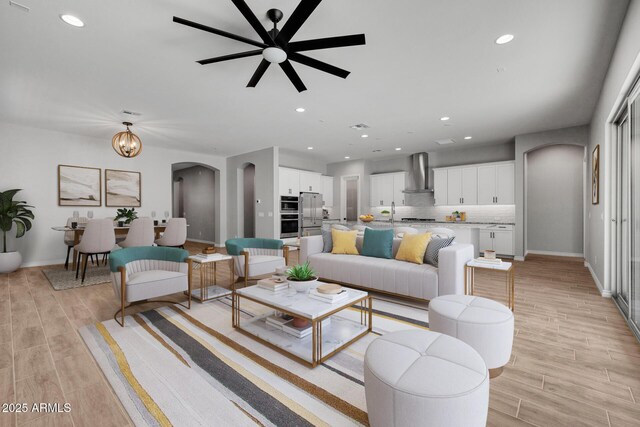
column 574, row 360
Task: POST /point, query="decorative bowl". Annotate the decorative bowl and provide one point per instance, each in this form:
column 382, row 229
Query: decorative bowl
column 302, row 286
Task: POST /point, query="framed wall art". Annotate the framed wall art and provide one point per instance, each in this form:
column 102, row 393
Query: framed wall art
column 595, row 175
column 79, row 186
column 122, row 188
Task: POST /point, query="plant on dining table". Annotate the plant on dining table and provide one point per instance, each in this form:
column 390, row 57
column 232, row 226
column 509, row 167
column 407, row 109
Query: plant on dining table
column 126, row 215
column 13, row 212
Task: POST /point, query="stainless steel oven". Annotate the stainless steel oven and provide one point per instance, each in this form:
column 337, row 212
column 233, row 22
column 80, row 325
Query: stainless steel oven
column 289, row 204
column 289, row 216
column 288, row 225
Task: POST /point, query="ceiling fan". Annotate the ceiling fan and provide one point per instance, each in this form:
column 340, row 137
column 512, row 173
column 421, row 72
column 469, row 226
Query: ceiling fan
column 276, row 46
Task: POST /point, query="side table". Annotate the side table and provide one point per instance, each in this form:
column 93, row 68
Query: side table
column 209, row 289
column 506, row 267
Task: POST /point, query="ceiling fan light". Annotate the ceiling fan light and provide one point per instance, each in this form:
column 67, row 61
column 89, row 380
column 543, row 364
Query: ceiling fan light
column 274, row 55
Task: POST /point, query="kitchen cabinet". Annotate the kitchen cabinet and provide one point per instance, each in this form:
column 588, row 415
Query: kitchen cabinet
column 462, row 186
column 387, row 188
column 496, row 184
column 310, row 182
column 289, row 182
column 327, row 191
column 440, row 187
column 498, row 238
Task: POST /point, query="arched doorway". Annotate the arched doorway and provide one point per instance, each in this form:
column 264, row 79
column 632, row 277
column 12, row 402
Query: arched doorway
column 196, row 198
column 248, row 200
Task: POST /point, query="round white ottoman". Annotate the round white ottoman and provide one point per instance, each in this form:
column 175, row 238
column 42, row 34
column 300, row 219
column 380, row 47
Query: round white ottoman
column 422, row 378
column 484, row 324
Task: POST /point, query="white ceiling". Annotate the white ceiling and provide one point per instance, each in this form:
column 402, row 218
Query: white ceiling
column 423, row 60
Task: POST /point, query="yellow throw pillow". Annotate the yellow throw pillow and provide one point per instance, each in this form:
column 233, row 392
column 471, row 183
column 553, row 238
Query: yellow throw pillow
column 413, row 247
column 344, row 242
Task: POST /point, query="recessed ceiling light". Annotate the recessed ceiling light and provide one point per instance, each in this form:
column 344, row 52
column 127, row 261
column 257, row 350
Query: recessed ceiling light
column 505, row 38
column 468, row 137
column 309, row 148
column 347, row 157
column 72, row 20
column 398, row 149
column 300, row 110
column 445, row 118
column 364, row 136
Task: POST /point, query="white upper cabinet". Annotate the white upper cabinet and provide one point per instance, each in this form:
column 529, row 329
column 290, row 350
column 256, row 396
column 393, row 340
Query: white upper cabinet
column 289, row 182
column 386, row 188
column 310, row 182
column 440, row 187
column 327, row 191
column 484, row 184
column 505, row 184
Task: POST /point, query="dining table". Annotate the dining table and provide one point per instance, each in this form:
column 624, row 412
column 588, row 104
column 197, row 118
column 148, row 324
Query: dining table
column 119, row 230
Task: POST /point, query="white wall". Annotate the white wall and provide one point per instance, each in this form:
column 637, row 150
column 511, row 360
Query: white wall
column 30, row 161
column 554, row 201
column 623, row 68
column 578, row 135
column 308, row 161
column 266, row 190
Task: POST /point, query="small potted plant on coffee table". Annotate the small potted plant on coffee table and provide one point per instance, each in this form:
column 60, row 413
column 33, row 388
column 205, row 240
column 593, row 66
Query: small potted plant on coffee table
column 301, row 277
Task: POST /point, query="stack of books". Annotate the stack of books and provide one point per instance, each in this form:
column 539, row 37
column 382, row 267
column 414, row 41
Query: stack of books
column 492, row 261
column 328, row 298
column 273, row 285
column 208, row 257
column 303, row 331
column 279, row 320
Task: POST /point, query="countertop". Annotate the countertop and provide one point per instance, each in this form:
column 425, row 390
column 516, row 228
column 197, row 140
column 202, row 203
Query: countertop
column 469, row 224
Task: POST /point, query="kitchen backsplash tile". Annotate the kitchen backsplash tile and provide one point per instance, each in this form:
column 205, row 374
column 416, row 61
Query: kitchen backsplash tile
column 421, row 205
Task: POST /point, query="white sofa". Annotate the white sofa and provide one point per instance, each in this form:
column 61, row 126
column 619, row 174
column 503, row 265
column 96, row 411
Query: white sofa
column 390, row 275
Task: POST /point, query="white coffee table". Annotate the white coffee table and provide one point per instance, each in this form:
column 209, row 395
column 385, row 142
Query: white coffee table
column 323, row 342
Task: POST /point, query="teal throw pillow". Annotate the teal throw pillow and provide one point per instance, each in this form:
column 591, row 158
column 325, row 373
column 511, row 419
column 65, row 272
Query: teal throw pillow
column 378, row 243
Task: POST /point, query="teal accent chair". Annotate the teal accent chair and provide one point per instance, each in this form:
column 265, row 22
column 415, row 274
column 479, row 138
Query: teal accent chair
column 254, row 257
column 144, row 272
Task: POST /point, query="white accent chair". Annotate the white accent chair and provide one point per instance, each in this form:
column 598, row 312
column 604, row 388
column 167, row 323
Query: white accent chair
column 423, row 378
column 175, row 234
column 141, row 273
column 253, row 257
column 141, row 233
column 99, row 238
column 484, row 324
column 69, row 236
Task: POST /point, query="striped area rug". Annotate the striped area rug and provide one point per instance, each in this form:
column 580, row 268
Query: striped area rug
column 173, row 366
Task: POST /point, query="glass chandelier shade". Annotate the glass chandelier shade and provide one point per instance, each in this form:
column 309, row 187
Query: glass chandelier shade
column 126, row 143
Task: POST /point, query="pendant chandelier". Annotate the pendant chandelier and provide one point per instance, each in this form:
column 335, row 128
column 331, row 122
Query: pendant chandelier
column 127, row 143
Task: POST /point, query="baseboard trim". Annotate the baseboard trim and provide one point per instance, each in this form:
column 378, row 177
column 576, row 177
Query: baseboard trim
column 205, row 241
column 606, row 293
column 518, row 258
column 50, row 262
column 563, row 254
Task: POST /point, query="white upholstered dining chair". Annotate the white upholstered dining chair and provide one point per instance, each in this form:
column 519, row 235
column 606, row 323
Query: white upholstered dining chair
column 175, row 234
column 99, row 238
column 69, row 236
column 141, row 233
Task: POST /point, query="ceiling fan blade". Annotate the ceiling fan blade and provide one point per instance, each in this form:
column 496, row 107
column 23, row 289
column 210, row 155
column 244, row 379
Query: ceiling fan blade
column 322, row 66
column 218, row 32
column 293, row 76
column 228, row 57
column 253, row 21
column 259, row 73
column 295, row 21
column 327, row 43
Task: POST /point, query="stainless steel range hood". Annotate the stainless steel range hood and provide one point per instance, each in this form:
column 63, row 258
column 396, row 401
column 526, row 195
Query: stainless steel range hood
column 419, row 174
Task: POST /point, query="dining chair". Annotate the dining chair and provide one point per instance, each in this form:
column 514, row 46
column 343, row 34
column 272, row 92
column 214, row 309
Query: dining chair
column 175, row 234
column 69, row 236
column 141, row 233
column 99, row 238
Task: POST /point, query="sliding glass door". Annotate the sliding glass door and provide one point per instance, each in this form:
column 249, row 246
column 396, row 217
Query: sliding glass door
column 634, row 214
column 620, row 217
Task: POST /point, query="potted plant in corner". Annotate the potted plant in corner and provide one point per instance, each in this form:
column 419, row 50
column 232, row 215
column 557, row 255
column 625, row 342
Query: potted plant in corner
column 12, row 212
column 301, row 277
column 125, row 216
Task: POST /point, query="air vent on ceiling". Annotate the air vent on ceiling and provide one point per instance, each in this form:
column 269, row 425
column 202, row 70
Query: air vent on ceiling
column 376, row 151
column 19, row 6
column 360, row 126
column 445, row 141
column 130, row 113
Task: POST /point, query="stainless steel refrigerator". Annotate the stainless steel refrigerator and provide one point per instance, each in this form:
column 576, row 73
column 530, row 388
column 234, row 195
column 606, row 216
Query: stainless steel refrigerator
column 310, row 214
